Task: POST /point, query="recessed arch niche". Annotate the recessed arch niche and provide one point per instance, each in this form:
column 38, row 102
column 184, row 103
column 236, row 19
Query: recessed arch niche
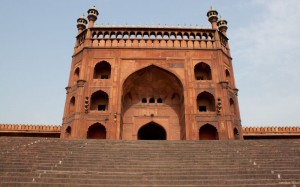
column 157, row 84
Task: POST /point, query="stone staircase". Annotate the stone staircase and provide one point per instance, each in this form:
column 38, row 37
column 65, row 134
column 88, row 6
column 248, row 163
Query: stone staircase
column 64, row 162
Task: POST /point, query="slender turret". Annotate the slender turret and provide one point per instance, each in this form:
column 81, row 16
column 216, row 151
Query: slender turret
column 212, row 17
column 92, row 16
column 81, row 24
column 222, row 24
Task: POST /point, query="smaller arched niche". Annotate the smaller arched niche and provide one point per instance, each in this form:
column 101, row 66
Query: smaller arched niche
column 202, row 71
column 96, row 131
column 152, row 131
column 232, row 107
column 228, row 77
column 102, row 70
column 99, row 101
column 206, row 102
column 68, row 132
column 208, row 132
column 72, row 105
column 76, row 74
column 236, row 134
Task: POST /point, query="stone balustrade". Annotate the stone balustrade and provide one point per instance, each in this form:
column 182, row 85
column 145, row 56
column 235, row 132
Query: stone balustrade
column 150, row 37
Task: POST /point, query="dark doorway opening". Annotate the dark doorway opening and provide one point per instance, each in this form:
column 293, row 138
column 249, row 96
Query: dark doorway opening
column 152, row 131
column 208, row 132
column 96, row 131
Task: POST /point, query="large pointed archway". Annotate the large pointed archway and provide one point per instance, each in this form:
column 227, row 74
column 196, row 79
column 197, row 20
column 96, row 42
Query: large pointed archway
column 152, row 131
column 153, row 93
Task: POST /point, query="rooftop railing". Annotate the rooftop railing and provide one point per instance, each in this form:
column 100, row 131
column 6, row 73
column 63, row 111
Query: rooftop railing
column 150, row 37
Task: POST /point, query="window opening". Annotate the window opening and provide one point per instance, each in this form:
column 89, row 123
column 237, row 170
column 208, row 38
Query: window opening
column 202, row 109
column 159, row 100
column 101, row 107
column 151, row 100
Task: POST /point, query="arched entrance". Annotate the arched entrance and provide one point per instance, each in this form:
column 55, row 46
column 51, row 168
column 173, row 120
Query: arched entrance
column 96, row 131
column 208, row 132
column 153, row 93
column 236, row 134
column 152, row 131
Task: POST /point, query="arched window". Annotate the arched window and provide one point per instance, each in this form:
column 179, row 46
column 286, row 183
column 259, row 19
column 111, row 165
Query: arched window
column 179, row 36
column 102, row 70
column 119, row 35
column 76, row 74
column 208, row 132
column 192, row 36
column 185, row 36
column 236, row 134
column 159, row 35
column 202, row 71
column 166, row 36
column 72, row 105
column 228, row 78
column 125, row 35
column 173, row 36
column 144, row 100
column 96, row 131
column 68, row 131
column 100, row 35
column 99, row 101
column 159, row 100
column 206, row 102
column 139, row 35
column 232, row 106
column 151, row 100
column 146, row 35
column 106, row 35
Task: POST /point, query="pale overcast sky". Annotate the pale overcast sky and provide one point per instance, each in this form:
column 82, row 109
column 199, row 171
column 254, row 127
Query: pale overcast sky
column 37, row 39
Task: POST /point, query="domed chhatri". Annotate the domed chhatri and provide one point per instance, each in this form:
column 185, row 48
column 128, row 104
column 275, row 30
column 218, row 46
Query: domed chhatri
column 222, row 24
column 81, row 23
column 212, row 15
column 92, row 16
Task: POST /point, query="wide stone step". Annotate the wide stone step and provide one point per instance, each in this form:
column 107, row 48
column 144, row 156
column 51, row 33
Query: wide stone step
column 57, row 162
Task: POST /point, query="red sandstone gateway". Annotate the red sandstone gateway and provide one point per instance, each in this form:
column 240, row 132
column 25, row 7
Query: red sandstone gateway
column 146, row 82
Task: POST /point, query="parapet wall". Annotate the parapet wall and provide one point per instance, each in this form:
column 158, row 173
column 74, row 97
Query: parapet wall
column 151, row 37
column 22, row 128
column 256, row 131
column 6, row 129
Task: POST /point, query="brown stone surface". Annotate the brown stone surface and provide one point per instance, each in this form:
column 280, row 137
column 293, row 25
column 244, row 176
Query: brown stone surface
column 80, row 162
column 123, row 78
column 248, row 132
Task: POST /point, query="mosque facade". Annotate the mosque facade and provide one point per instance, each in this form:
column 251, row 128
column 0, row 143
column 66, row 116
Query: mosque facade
column 151, row 83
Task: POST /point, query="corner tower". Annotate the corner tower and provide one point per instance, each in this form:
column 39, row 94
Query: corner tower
column 137, row 83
